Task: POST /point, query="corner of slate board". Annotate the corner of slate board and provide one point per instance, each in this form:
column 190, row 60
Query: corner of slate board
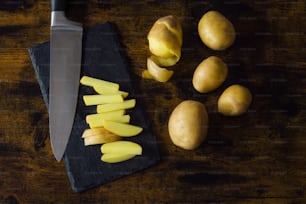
column 102, row 58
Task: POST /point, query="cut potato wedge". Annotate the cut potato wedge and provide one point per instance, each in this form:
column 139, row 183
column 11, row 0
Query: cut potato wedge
column 90, row 100
column 121, row 129
column 99, row 122
column 158, row 73
column 100, row 139
column 146, row 75
column 104, row 90
column 116, row 106
column 96, row 132
column 121, row 147
column 90, row 81
column 115, row 158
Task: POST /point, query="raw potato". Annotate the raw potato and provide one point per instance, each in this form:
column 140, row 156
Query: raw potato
column 165, row 40
column 209, row 74
column 98, row 136
column 158, row 73
column 216, row 31
column 121, row 147
column 99, row 121
column 107, row 115
column 116, row 106
column 188, row 124
column 146, row 74
column 122, row 129
column 97, row 131
column 234, row 101
column 99, row 139
column 115, row 158
column 104, row 90
column 90, row 100
column 90, row 81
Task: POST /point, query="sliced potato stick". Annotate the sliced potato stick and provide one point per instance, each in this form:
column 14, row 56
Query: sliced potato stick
column 116, row 106
column 90, row 100
column 104, row 90
column 100, row 139
column 99, row 122
column 115, row 158
column 90, row 81
column 106, row 115
column 97, row 131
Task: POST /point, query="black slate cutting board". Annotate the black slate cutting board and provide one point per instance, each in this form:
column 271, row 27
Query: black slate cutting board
column 102, row 57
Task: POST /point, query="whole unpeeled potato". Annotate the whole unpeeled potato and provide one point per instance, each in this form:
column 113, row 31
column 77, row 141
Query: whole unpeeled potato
column 209, row 74
column 188, row 124
column 216, row 31
column 235, row 100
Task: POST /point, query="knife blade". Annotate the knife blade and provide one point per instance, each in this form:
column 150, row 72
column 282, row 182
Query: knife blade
column 65, row 66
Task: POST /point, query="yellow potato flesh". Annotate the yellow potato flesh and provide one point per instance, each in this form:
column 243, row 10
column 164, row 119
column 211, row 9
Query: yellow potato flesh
column 216, row 31
column 158, row 73
column 90, row 81
column 106, row 115
column 188, row 124
column 102, row 99
column 165, row 40
column 96, row 132
column 105, row 90
column 209, row 74
column 122, row 129
column 115, row 158
column 100, row 139
column 116, row 106
column 99, row 121
column 121, row 147
column 146, row 75
column 234, row 101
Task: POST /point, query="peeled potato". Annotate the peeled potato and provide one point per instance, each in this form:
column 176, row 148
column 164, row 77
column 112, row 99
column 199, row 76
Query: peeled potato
column 188, row 124
column 165, row 40
column 216, row 31
column 234, row 101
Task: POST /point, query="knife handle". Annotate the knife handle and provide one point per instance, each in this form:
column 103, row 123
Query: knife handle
column 58, row 5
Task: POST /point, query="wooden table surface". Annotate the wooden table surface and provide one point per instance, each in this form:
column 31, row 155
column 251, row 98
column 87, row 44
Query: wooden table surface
column 255, row 158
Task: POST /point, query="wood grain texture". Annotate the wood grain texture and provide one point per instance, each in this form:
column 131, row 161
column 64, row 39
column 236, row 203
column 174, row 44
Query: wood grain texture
column 259, row 157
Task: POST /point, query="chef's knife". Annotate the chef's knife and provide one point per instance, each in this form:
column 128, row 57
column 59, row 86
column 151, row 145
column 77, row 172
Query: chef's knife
column 65, row 66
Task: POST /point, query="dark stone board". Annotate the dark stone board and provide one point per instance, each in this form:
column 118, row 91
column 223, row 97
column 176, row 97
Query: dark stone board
column 103, row 57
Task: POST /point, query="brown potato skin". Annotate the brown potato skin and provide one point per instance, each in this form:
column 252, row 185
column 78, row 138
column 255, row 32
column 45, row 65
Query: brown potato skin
column 234, row 101
column 165, row 40
column 188, row 124
column 216, row 31
column 209, row 75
